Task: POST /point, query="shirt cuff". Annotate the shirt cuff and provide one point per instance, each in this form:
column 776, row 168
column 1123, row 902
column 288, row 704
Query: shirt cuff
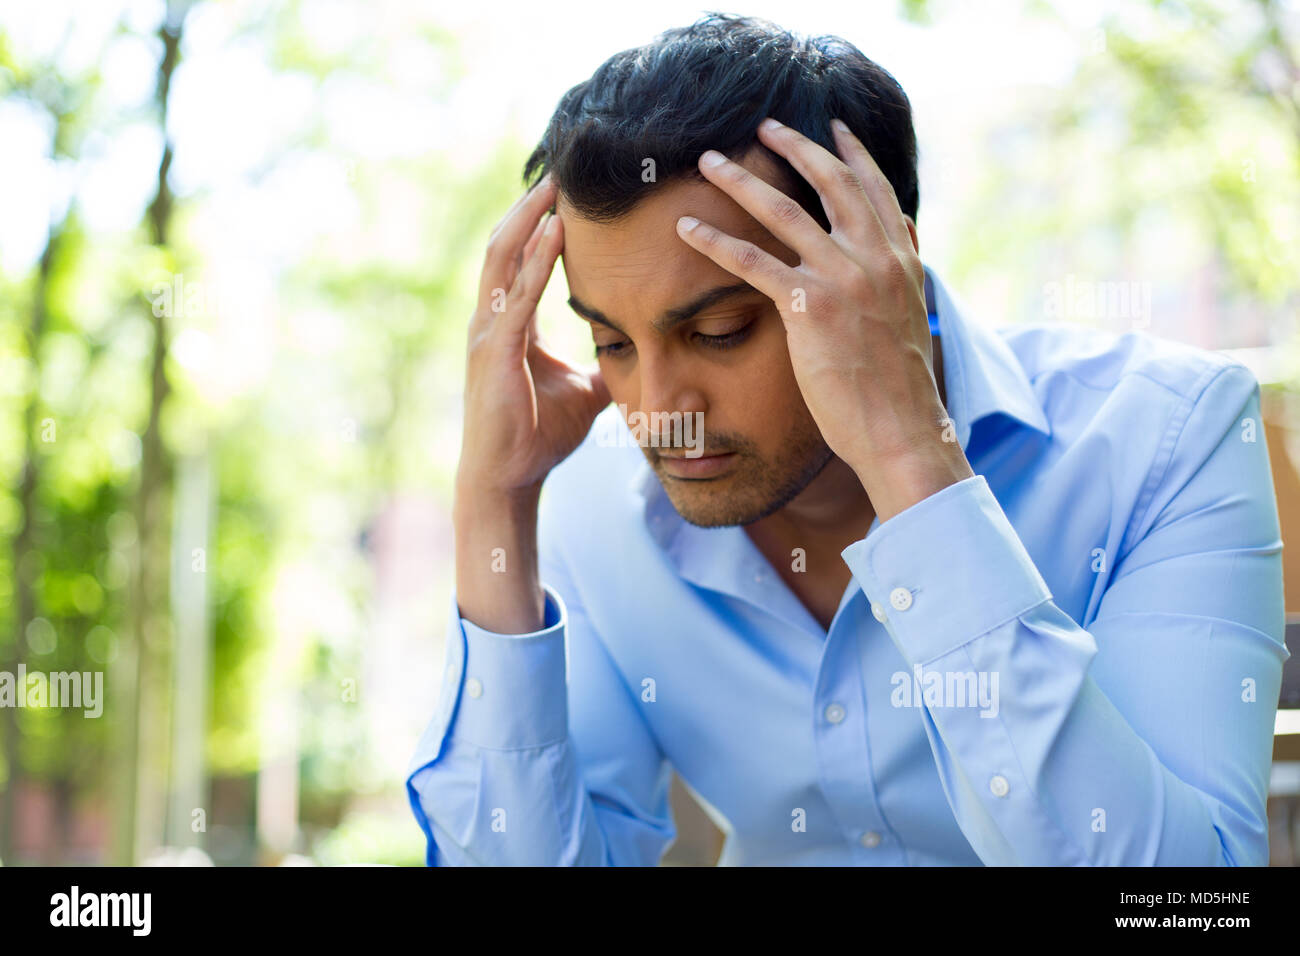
column 946, row 570
column 501, row 691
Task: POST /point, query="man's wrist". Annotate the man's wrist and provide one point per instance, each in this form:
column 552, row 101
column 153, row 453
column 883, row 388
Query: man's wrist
column 481, row 484
column 898, row 482
column 497, row 580
column 477, row 504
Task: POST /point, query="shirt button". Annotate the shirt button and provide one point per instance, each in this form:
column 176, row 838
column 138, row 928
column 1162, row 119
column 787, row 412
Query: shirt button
column 871, row 839
column 834, row 713
column 878, row 612
column 474, row 687
column 999, row 786
column 901, row 598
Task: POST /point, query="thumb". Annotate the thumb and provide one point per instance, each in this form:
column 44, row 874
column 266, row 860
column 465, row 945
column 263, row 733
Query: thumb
column 600, row 391
column 534, row 334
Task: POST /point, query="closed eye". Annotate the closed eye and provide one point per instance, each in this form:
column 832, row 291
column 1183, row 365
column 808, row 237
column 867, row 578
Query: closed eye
column 724, row 341
column 729, row 340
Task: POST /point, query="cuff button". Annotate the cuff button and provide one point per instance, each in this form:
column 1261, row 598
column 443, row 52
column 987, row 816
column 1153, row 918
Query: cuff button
column 900, row 598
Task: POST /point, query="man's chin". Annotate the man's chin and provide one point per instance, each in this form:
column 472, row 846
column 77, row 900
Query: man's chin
column 711, row 518
column 715, row 503
column 741, row 496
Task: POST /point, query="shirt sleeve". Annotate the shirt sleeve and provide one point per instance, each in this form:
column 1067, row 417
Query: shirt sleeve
column 521, row 766
column 1145, row 739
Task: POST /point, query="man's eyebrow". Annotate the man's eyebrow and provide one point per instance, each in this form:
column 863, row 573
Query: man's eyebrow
column 673, row 317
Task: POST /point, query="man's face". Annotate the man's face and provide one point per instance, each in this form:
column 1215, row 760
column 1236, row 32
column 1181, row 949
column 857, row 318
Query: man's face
column 635, row 273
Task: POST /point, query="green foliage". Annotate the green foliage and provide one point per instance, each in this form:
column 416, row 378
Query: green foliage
column 1173, row 153
column 370, row 838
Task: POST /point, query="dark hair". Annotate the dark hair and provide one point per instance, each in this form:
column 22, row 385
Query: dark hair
column 708, row 86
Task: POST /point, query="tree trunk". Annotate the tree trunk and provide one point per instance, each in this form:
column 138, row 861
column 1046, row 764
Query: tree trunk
column 141, row 678
column 23, row 542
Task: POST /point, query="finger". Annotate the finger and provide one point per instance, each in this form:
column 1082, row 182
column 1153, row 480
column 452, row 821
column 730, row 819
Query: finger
column 542, row 182
column 521, row 302
column 600, row 391
column 531, row 244
column 511, row 234
column 534, row 334
column 874, row 181
column 494, row 284
column 526, row 252
column 849, row 207
column 780, row 214
column 765, row 272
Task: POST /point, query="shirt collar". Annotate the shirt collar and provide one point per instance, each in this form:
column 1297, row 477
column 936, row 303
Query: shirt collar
column 981, row 378
column 981, row 375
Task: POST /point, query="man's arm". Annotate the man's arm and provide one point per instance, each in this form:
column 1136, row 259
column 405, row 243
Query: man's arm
column 496, row 777
column 520, row 767
column 1145, row 739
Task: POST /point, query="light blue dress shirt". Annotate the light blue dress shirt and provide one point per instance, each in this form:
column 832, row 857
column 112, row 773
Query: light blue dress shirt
column 1073, row 657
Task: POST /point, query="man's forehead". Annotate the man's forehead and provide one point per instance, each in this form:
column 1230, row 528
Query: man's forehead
column 639, row 269
column 681, row 197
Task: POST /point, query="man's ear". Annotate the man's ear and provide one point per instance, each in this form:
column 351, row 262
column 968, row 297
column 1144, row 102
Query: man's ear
column 911, row 228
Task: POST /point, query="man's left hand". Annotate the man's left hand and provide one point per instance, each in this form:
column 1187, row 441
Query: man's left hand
column 854, row 312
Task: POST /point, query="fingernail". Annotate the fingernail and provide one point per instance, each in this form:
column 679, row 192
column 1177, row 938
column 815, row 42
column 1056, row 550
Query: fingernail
column 550, row 224
column 770, row 124
column 687, row 223
column 840, row 125
column 712, row 157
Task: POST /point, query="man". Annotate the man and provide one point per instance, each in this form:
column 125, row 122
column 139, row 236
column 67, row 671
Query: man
column 911, row 595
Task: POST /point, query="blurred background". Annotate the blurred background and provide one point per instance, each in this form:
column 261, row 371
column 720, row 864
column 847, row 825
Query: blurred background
column 239, row 244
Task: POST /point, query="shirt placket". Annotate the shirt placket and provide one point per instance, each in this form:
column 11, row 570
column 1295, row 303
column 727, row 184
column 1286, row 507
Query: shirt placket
column 843, row 748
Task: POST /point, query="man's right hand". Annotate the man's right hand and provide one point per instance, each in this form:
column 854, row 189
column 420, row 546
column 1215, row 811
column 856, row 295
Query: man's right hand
column 525, row 412
column 525, row 409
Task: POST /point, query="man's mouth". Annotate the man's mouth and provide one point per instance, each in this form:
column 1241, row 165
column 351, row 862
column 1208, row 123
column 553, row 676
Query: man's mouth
column 704, row 466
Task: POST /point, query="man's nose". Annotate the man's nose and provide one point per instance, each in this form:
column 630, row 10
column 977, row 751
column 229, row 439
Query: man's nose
column 669, row 394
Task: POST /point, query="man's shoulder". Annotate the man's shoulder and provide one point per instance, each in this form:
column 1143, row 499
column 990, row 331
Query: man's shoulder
column 1075, row 356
